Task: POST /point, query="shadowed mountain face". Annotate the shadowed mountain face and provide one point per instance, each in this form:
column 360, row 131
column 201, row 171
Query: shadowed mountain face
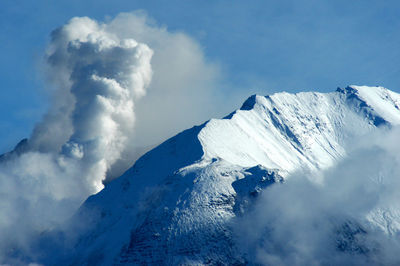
column 177, row 203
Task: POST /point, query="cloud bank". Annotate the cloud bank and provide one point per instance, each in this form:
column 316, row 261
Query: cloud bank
column 348, row 214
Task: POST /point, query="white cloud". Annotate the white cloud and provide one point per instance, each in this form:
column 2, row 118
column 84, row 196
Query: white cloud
column 355, row 209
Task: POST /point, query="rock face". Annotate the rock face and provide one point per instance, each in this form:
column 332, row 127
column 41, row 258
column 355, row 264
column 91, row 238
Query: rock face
column 175, row 205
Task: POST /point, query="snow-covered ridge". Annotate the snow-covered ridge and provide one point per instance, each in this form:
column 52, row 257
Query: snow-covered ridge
column 307, row 129
column 174, row 205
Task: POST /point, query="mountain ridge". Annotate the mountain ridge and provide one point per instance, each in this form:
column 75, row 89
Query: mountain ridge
column 175, row 205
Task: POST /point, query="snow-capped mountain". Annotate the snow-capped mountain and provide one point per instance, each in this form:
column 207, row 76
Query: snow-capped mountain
column 176, row 204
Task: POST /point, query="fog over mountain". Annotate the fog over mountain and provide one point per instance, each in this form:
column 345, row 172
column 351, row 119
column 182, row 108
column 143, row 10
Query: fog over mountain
column 287, row 179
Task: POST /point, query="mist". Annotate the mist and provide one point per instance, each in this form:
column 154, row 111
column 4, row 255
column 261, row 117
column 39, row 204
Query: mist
column 347, row 214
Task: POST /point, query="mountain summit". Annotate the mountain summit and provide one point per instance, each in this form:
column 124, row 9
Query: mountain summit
column 177, row 202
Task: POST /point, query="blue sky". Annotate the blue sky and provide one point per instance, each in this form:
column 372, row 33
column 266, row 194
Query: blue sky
column 262, row 46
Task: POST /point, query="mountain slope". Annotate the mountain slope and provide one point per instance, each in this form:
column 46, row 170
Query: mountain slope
column 175, row 205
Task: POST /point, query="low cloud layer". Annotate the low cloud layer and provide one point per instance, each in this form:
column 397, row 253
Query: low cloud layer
column 349, row 214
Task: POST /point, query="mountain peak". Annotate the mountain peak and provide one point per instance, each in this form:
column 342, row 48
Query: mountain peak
column 362, row 90
column 249, row 103
column 174, row 206
column 377, row 103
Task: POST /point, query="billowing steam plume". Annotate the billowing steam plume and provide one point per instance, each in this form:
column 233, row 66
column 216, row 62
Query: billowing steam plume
column 96, row 78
